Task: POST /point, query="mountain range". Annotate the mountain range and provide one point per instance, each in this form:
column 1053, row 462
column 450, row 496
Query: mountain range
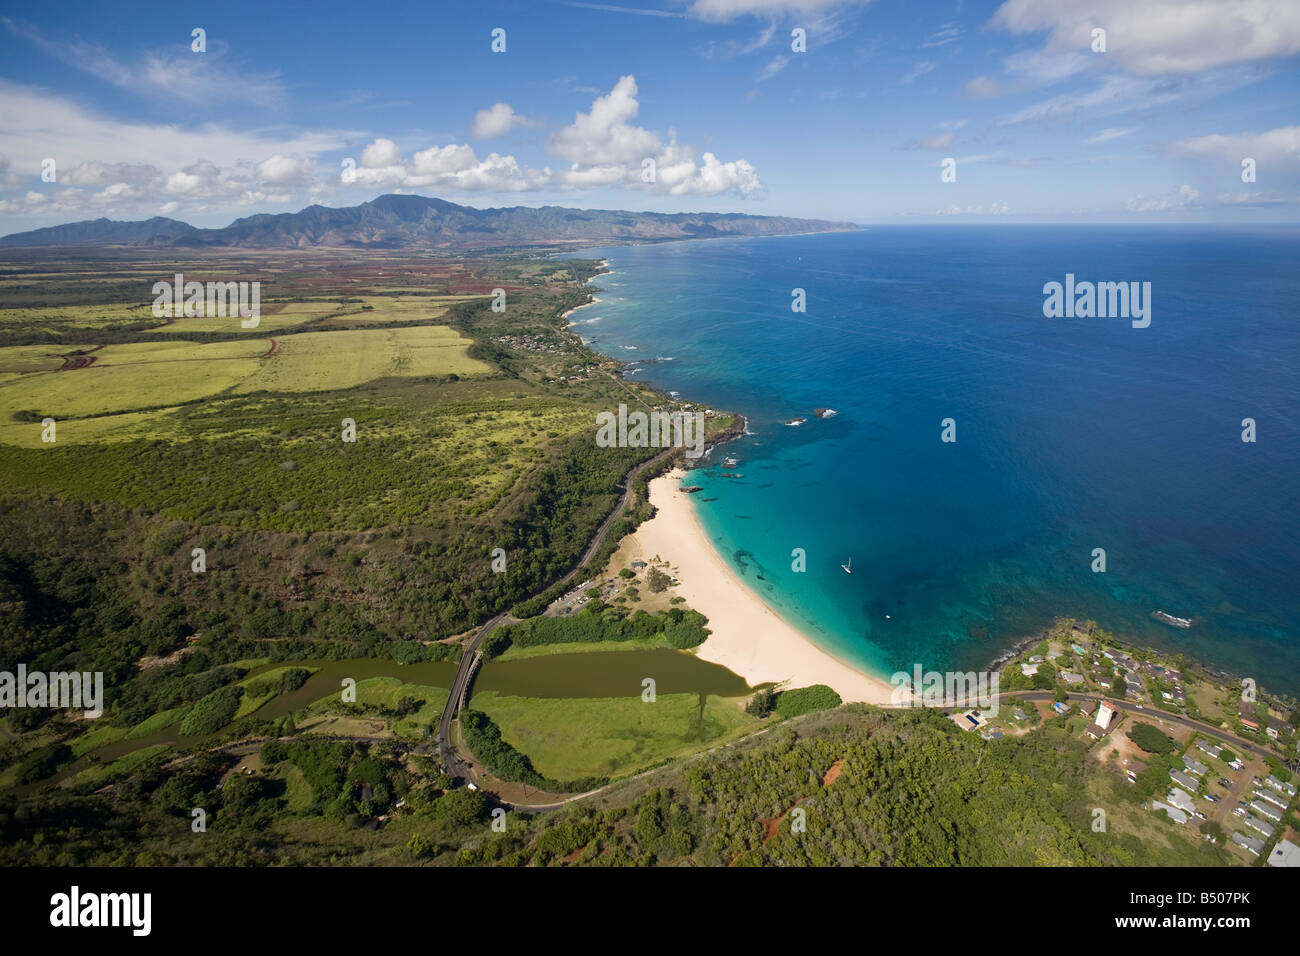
column 406, row 221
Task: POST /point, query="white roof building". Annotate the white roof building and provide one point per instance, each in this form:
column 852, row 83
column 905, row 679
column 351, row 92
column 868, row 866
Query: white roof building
column 1285, row 853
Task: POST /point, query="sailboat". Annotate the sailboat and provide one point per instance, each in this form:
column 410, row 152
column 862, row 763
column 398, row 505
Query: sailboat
column 848, row 568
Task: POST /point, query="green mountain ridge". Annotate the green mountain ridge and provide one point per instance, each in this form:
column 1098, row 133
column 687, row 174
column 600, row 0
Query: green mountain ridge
column 405, row 221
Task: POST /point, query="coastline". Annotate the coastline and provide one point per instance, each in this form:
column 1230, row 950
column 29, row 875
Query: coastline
column 747, row 637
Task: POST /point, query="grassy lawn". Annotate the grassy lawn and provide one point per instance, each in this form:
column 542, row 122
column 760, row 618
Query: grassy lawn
column 571, row 738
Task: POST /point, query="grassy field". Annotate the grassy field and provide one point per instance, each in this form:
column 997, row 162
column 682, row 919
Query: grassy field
column 120, row 766
column 384, row 696
column 328, row 361
column 131, row 376
column 567, row 739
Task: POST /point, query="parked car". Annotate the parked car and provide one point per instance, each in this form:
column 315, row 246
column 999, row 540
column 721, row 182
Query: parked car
column 1239, row 811
column 1212, row 798
column 1225, row 783
column 1199, row 814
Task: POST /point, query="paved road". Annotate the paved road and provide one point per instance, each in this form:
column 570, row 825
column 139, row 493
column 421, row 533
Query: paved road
column 470, row 659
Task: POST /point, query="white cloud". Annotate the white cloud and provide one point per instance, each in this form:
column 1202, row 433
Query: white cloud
column 945, row 34
column 1279, row 148
column 211, row 78
column 774, row 66
column 1106, row 135
column 496, row 120
column 602, row 140
column 381, row 153
column 38, row 124
column 937, row 142
column 1155, row 37
column 1184, row 197
column 214, row 168
column 922, row 68
column 604, row 134
column 983, row 87
column 284, row 170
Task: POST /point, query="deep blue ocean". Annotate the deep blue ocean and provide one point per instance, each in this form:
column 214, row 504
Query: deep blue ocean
column 1072, row 433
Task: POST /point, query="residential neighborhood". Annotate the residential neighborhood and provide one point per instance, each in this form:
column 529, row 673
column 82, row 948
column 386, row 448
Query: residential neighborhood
column 1169, row 728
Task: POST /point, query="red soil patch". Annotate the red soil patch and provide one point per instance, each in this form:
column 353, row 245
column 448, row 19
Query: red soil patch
column 274, row 345
column 71, row 362
column 834, row 773
column 573, row 857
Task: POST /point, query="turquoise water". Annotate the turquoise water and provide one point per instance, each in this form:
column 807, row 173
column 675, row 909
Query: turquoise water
column 1072, row 434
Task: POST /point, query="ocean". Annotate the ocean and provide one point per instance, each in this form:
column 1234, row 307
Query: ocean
column 1071, row 434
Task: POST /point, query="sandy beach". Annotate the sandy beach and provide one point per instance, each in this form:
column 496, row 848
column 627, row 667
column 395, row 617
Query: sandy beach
column 569, row 312
column 747, row 636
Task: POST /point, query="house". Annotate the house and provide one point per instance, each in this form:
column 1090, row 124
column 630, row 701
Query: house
column 1277, row 728
column 1272, row 797
column 1059, row 707
column 1195, row 766
column 1029, row 670
column 1279, row 786
column 1266, row 810
column 1174, row 813
column 1018, row 714
column 1206, row 747
column 1036, row 659
column 971, row 720
column 1181, row 800
column 1134, row 768
column 1086, row 707
column 1254, row 846
column 1246, row 714
column 1285, row 853
column 1071, row 678
column 1107, row 717
column 1184, row 781
column 1255, row 823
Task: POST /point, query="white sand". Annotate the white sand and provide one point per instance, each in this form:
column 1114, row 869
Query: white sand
column 747, row 636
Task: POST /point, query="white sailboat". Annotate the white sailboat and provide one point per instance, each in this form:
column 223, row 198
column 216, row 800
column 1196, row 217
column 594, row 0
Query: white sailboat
column 848, row 568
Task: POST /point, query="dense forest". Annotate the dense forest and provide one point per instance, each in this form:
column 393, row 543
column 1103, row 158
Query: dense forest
column 853, row 785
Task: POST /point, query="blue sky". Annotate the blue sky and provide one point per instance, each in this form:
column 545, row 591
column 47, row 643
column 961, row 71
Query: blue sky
column 1041, row 127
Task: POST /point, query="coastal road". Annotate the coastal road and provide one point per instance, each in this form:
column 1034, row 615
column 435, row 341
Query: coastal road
column 470, row 658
